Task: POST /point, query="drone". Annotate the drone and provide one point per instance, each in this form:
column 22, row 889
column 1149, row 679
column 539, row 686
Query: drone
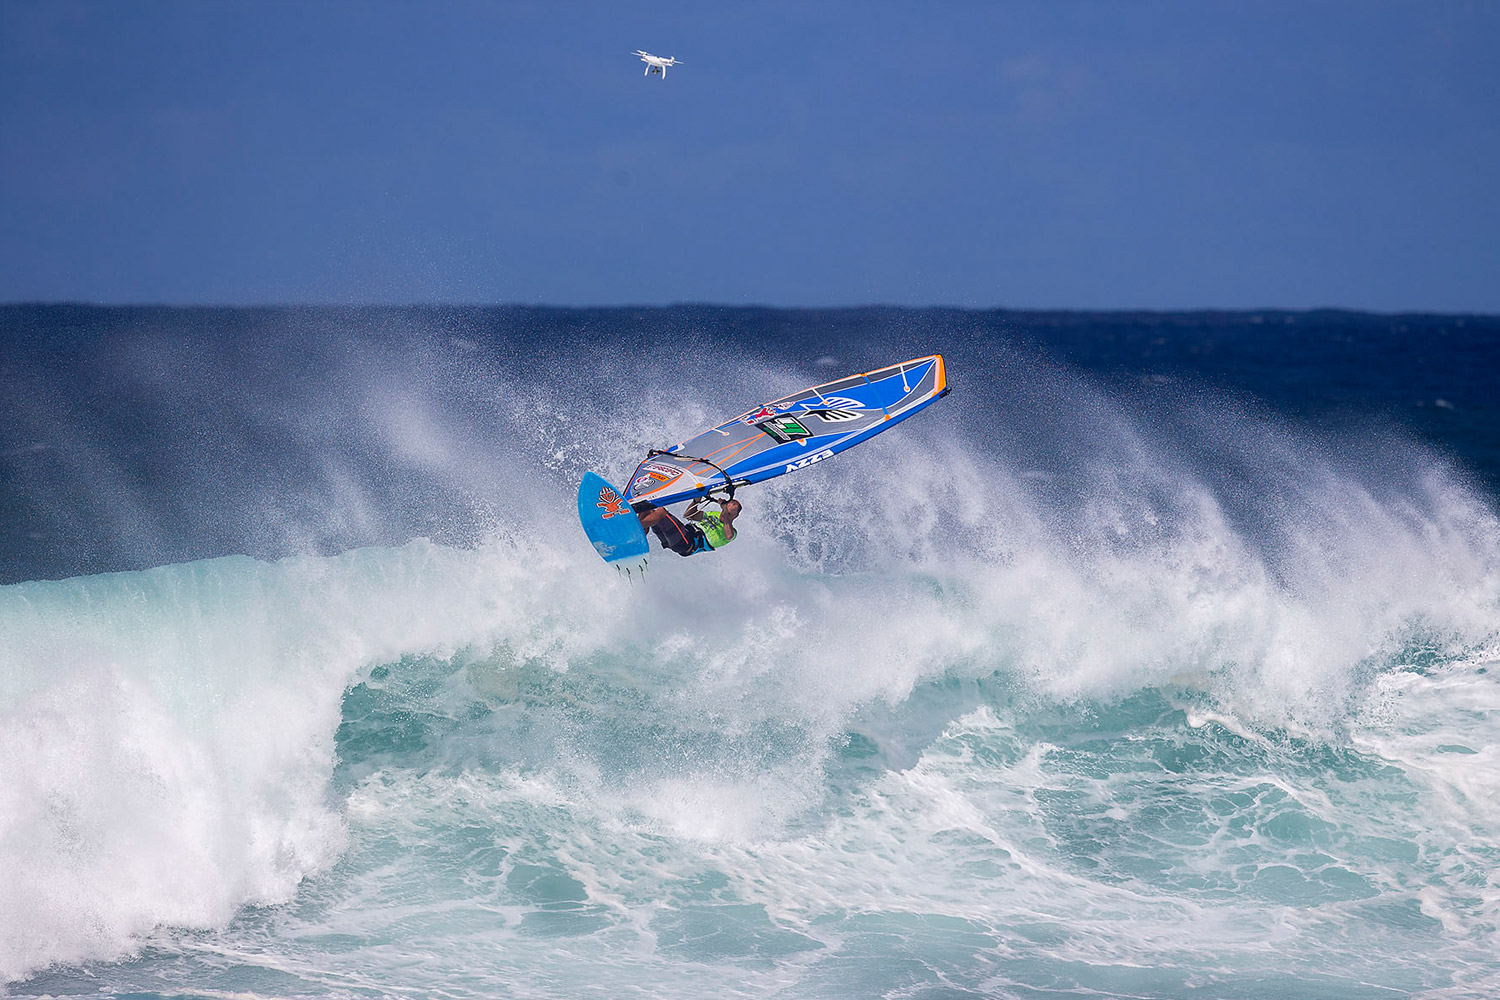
column 656, row 64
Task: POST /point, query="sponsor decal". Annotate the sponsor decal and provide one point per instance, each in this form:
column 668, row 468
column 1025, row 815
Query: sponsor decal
column 760, row 414
column 611, row 503
column 815, row 405
column 809, row 460
column 836, row 416
column 652, row 476
column 832, row 409
column 784, row 428
column 661, row 470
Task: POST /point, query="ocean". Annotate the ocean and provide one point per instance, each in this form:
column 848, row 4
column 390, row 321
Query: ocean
column 1161, row 659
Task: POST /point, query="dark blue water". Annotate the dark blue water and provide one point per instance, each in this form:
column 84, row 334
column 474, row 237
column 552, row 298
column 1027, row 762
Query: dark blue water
column 1159, row 659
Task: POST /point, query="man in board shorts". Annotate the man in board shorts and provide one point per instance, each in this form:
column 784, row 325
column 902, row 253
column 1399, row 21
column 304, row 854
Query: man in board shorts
column 704, row 530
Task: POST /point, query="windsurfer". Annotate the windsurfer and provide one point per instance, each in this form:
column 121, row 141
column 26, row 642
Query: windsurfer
column 704, row 530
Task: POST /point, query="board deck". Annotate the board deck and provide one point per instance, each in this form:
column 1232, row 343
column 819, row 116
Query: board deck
column 609, row 522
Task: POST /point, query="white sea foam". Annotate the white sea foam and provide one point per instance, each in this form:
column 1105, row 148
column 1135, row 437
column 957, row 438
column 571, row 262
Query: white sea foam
column 168, row 736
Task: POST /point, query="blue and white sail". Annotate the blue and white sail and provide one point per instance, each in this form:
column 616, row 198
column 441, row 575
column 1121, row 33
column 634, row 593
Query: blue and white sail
column 790, row 433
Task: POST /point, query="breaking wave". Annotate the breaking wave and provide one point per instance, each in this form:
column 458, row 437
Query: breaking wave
column 1062, row 686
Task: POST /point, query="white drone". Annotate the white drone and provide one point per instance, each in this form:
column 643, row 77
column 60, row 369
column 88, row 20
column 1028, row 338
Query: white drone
column 656, row 64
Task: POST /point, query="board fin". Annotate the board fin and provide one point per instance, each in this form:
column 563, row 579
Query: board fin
column 638, row 570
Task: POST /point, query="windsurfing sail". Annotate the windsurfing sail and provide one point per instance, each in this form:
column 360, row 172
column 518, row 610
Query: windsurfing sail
column 789, row 433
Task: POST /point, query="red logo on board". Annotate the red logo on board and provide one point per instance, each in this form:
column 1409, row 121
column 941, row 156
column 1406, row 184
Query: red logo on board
column 611, row 503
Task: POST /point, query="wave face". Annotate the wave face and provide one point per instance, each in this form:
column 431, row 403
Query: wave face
column 1073, row 685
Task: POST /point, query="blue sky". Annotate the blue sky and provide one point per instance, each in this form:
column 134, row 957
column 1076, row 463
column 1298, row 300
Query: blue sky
column 1032, row 154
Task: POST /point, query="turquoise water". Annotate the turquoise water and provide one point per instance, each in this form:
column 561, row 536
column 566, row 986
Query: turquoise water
column 945, row 722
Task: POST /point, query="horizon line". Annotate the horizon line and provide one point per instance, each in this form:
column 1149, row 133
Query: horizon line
column 664, row 307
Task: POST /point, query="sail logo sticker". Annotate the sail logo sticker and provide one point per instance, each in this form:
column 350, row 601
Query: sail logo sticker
column 832, row 409
column 758, row 414
column 654, row 475
column 611, row 503
column 809, row 460
column 784, row 429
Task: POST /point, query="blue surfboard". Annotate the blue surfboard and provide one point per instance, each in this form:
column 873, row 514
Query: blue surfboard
column 609, row 522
